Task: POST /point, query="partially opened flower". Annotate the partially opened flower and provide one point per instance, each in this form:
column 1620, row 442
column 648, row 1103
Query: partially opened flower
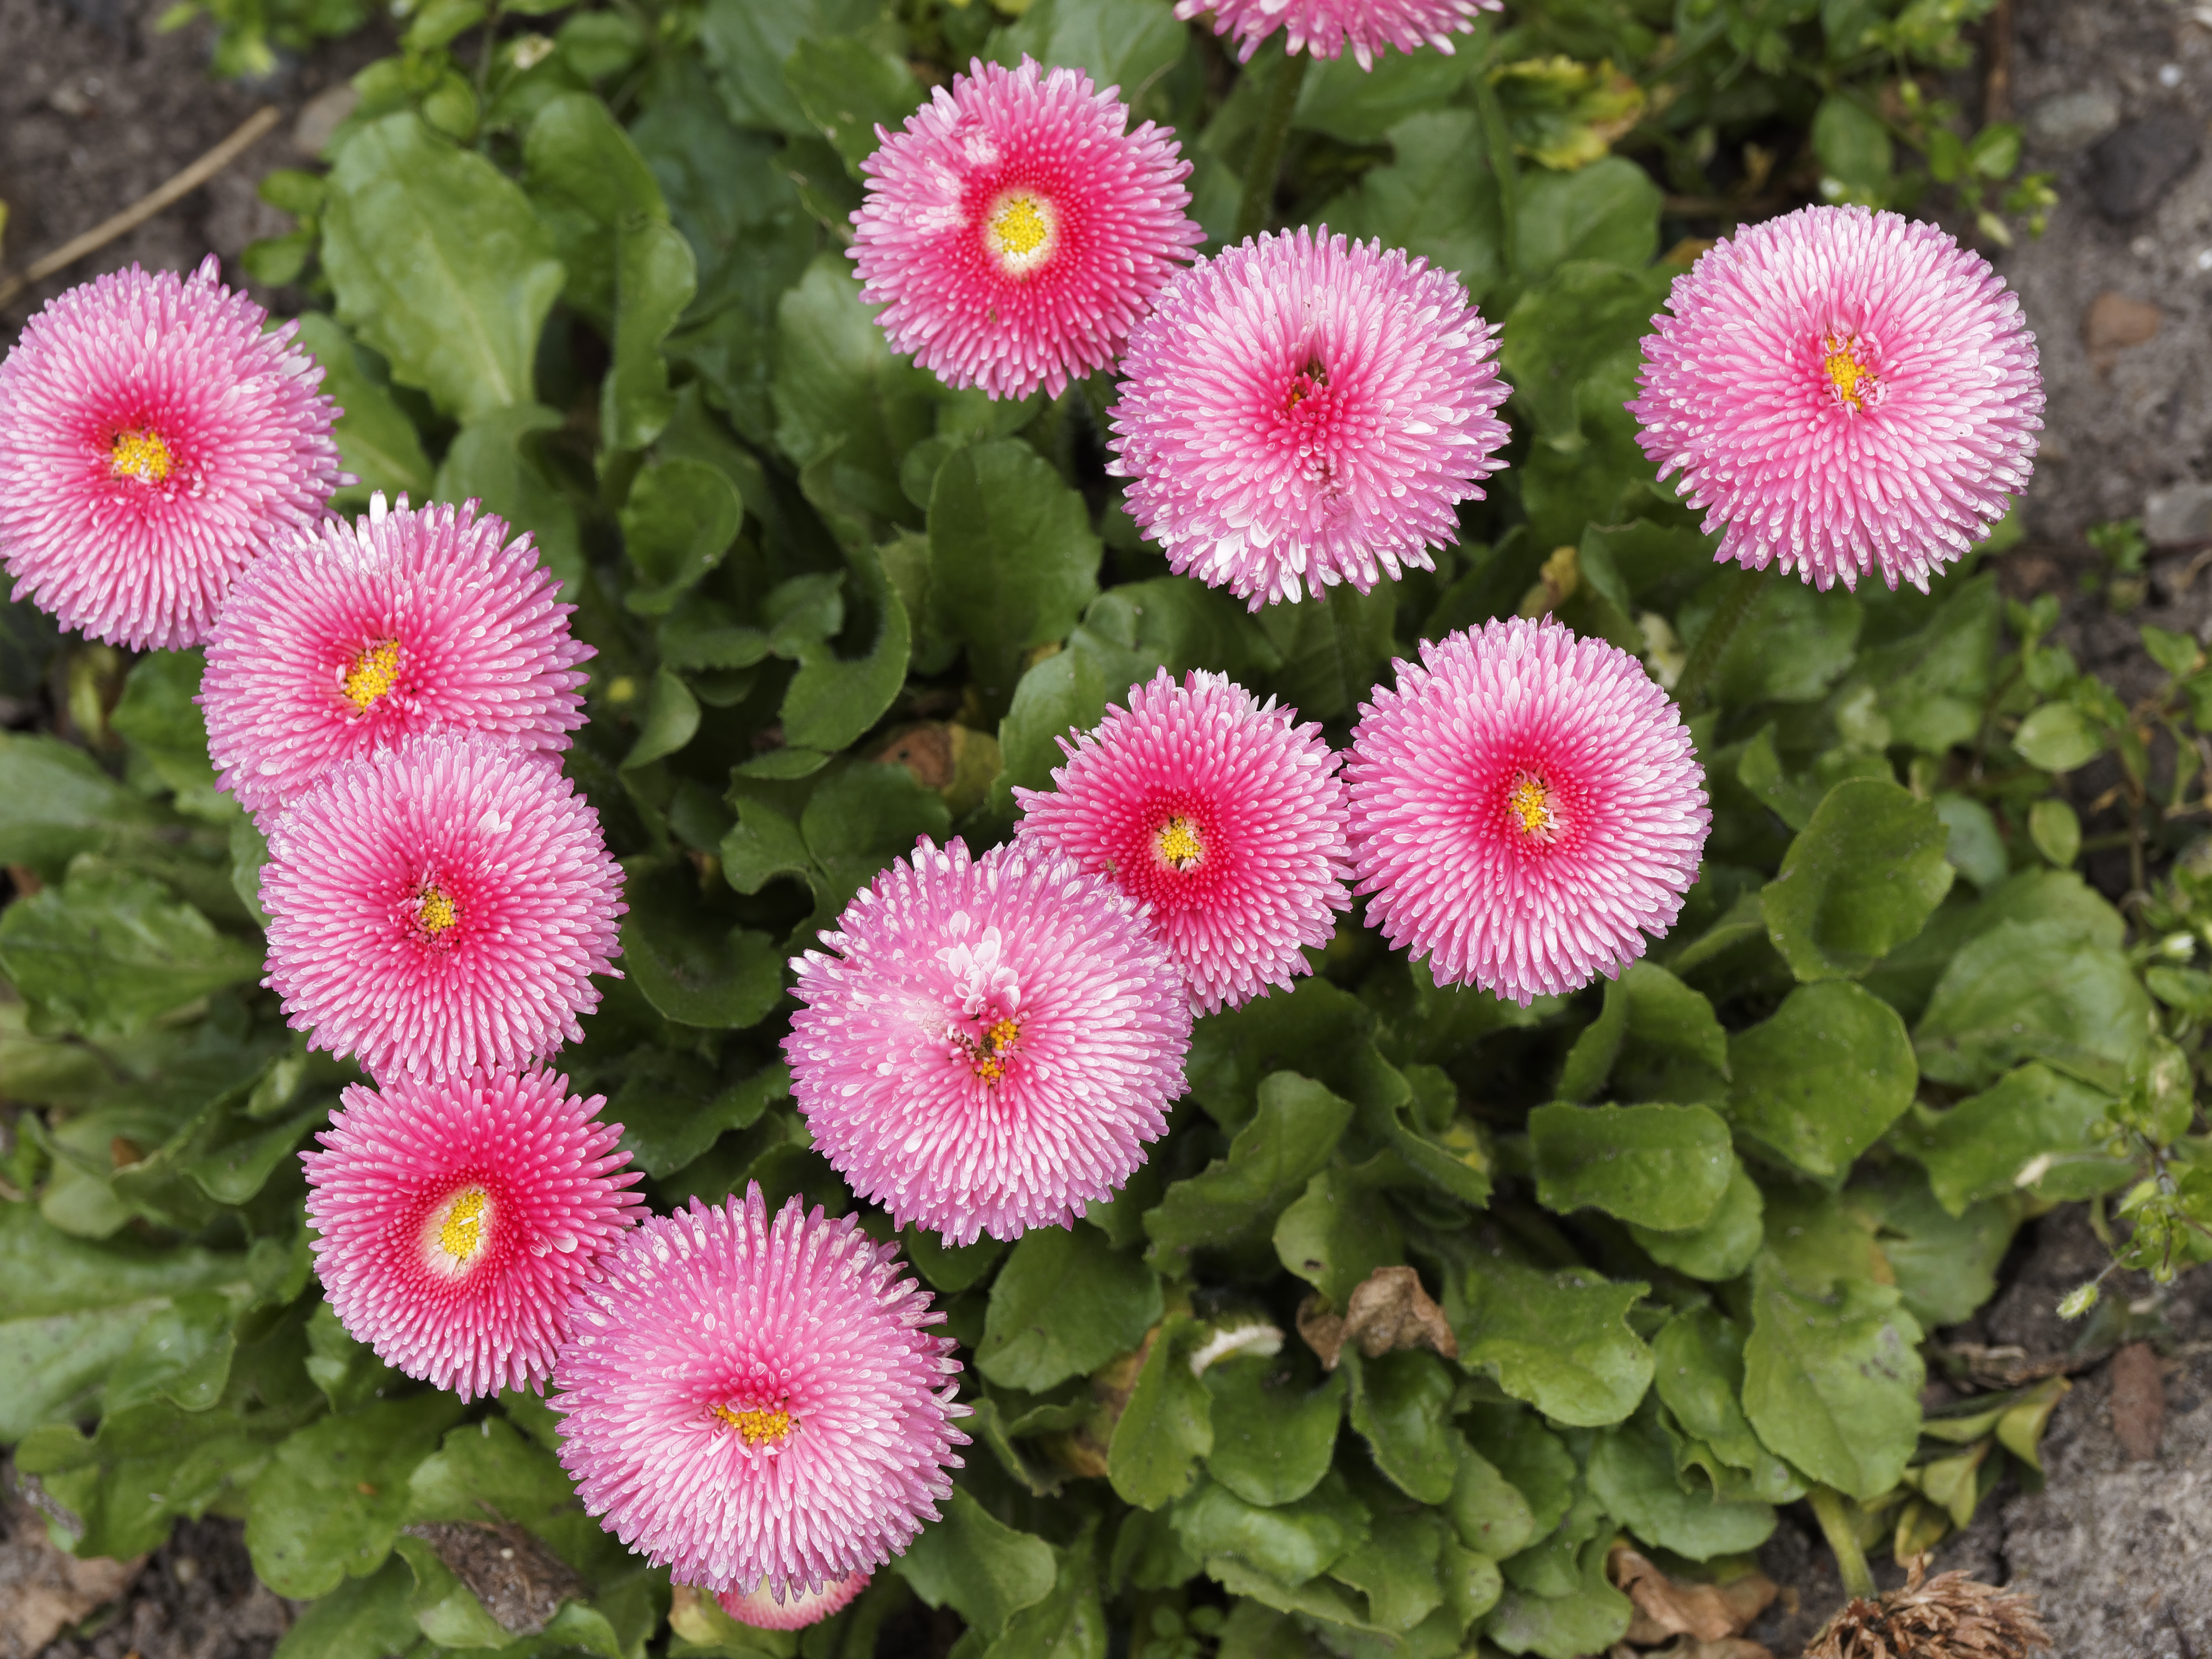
column 797, row 1609
column 349, row 637
column 439, row 909
column 989, row 1042
column 1325, row 27
column 453, row 1222
column 1215, row 812
column 1526, row 807
column 1843, row 392
column 1015, row 230
column 1301, row 412
column 153, row 440
column 757, row 1407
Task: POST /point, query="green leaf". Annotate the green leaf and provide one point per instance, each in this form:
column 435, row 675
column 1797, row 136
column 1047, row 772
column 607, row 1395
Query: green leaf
column 1607, row 210
column 1273, row 1157
column 1862, row 877
column 1065, row 1303
column 676, row 525
column 2030, row 991
column 1274, row 1435
column 748, row 41
column 1632, row 1471
column 1167, row 1426
column 831, row 701
column 55, row 802
column 489, row 1470
column 1341, row 1230
column 1975, row 849
column 1401, row 1404
column 2056, row 829
column 1070, row 1622
column 847, row 89
column 1833, row 1383
column 694, row 964
column 1818, row 1082
column 983, row 1568
column 332, row 1499
column 1012, row 561
column 1435, row 199
column 669, row 720
column 1487, row 1510
column 1397, row 1569
column 1129, row 44
column 2058, row 737
column 655, row 277
column 1662, row 1167
column 1570, row 344
column 1590, row 1617
column 1292, row 1542
column 1801, row 643
column 106, row 953
column 2031, row 1123
column 1724, row 1246
column 440, row 264
column 1331, row 649
column 1854, row 147
column 1560, row 1340
column 493, row 461
column 377, row 443
column 362, row 1619
column 1944, row 1266
column 1700, row 1380
column 588, row 181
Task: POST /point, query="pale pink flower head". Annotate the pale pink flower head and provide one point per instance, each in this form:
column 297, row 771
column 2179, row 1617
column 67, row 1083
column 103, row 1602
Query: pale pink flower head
column 349, row 637
column 1526, row 806
column 454, row 1221
column 1843, row 391
column 797, row 1608
column 1015, row 230
column 1325, row 27
column 439, row 909
column 153, row 440
column 757, row 1407
column 1304, row 410
column 989, row 1042
column 1221, row 816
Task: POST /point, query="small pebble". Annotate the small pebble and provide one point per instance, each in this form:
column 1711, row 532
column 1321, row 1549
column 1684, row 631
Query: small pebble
column 2204, row 258
column 184, row 1569
column 2169, row 75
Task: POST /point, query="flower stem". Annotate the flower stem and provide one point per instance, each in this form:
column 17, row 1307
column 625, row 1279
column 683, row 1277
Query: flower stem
column 1736, row 604
column 1850, row 1559
column 1255, row 212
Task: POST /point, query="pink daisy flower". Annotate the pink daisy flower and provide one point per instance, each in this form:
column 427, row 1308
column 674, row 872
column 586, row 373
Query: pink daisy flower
column 349, row 637
column 153, row 440
column 1304, row 410
column 991, row 1043
column 439, row 909
column 798, row 1608
column 1219, row 816
column 1015, row 230
column 454, row 1221
column 757, row 1407
column 1843, row 391
column 1526, row 806
column 1325, row 27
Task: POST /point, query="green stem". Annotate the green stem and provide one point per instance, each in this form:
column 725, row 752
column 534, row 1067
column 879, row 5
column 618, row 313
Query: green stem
column 1836, row 1525
column 1705, row 656
column 1257, row 211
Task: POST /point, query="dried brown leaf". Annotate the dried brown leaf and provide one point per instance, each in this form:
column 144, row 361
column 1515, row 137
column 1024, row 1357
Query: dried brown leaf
column 43, row 1590
column 1948, row 1617
column 2138, row 1400
column 1666, row 1608
column 1387, row 1310
column 520, row 1582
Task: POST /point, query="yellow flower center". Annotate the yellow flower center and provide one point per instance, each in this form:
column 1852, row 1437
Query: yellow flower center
column 990, row 1057
column 141, row 455
column 375, row 672
column 1853, row 381
column 436, row 911
column 463, row 1234
column 1018, row 231
column 771, row 1426
column 1178, row 843
column 1531, row 804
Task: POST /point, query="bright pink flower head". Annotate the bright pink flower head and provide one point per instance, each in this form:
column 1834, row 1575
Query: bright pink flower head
column 1843, row 391
column 1526, row 806
column 439, row 909
column 1302, row 410
column 992, row 1043
column 454, row 1221
column 1217, row 814
column 349, row 637
column 757, row 1407
column 153, row 440
column 1014, row 231
column 798, row 1608
column 1325, row 27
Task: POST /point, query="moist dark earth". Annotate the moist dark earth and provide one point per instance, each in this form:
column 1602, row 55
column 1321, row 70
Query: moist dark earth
column 97, row 108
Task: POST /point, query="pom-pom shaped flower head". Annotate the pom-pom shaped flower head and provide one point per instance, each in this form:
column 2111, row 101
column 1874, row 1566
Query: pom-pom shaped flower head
column 153, row 440
column 1302, row 410
column 1526, row 806
column 454, row 1221
column 439, row 909
column 1843, row 391
column 352, row 637
column 991, row 1042
column 1220, row 815
column 1015, row 230
column 757, row 1405
column 1325, row 27
column 797, row 1609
